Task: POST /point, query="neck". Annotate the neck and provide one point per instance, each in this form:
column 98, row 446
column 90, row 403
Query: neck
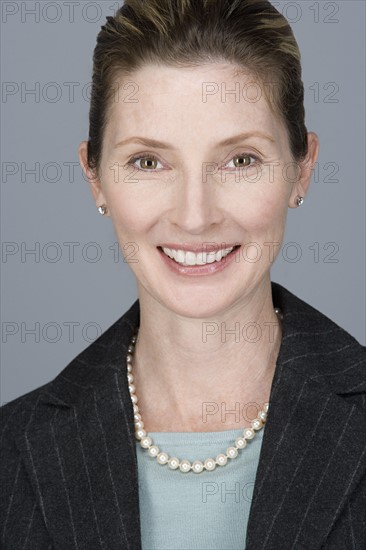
column 180, row 371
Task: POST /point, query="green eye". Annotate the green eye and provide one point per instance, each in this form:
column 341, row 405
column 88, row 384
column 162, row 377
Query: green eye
column 148, row 162
column 244, row 160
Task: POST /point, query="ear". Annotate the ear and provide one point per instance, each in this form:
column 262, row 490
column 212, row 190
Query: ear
column 306, row 167
column 91, row 175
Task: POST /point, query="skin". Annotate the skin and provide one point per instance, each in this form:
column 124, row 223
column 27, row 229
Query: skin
column 176, row 370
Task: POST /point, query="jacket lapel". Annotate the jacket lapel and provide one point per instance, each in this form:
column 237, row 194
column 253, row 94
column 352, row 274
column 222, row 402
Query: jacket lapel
column 81, row 456
column 314, row 444
column 79, row 448
column 312, row 457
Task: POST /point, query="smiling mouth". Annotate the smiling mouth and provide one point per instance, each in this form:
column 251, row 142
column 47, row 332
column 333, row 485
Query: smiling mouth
column 235, row 248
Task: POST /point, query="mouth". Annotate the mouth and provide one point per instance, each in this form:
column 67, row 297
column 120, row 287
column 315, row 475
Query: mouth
column 190, row 259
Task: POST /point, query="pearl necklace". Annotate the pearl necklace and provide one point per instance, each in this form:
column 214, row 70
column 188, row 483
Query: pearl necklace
column 174, row 463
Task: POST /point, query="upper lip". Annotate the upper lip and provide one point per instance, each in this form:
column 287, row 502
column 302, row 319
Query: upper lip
column 203, row 247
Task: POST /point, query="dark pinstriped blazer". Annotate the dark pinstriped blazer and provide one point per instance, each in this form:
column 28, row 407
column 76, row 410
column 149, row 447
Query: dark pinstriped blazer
column 68, row 457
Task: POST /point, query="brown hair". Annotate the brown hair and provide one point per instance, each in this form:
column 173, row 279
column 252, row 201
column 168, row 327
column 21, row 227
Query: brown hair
column 251, row 34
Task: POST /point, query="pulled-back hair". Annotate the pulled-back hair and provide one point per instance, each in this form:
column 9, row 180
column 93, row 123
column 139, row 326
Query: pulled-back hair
column 251, row 34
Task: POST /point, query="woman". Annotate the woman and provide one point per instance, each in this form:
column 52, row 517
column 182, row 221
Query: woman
column 220, row 411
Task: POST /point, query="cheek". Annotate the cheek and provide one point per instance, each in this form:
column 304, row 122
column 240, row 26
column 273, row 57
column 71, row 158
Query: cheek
column 261, row 198
column 267, row 213
column 131, row 218
column 130, row 210
column 128, row 221
column 262, row 229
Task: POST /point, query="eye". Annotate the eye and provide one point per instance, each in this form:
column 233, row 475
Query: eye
column 244, row 160
column 148, row 162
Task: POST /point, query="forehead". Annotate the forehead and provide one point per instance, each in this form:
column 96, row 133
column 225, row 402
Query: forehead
column 173, row 101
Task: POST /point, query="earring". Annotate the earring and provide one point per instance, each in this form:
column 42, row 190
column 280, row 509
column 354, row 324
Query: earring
column 102, row 209
column 299, row 200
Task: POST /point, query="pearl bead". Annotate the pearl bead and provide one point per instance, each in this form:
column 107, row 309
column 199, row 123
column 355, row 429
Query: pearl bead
column 140, row 434
column 139, row 424
column 210, row 464
column 185, row 466
column 221, row 459
column 132, row 388
column 256, row 424
column 232, row 452
column 153, row 451
column 146, row 442
column 129, row 358
column 173, row 463
column 130, row 378
column 134, row 399
column 135, row 408
column 137, row 417
column 248, row 433
column 263, row 416
column 197, row 466
column 266, row 407
column 162, row 458
column 129, row 367
column 240, row 442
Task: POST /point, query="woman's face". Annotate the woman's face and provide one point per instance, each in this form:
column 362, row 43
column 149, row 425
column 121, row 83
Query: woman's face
column 193, row 188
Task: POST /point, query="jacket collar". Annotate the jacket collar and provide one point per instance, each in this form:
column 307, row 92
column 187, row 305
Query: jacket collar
column 79, row 445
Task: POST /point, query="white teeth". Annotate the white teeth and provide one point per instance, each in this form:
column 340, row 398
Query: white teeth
column 202, row 258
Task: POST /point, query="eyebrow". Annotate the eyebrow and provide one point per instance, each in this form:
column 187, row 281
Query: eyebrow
column 162, row 145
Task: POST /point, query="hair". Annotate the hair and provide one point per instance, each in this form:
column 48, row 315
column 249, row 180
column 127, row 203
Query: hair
column 250, row 34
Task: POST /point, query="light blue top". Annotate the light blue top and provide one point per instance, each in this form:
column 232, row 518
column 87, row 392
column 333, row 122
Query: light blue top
column 206, row 511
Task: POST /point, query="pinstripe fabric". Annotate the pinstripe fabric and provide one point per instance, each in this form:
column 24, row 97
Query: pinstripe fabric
column 68, row 459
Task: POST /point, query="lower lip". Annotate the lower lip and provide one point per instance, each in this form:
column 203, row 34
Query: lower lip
column 197, row 270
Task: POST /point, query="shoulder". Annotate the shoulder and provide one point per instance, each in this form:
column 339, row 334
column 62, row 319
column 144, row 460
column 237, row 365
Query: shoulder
column 304, row 318
column 15, row 414
column 84, row 372
column 317, row 347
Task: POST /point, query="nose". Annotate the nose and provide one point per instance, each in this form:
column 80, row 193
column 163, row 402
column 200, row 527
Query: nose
column 196, row 202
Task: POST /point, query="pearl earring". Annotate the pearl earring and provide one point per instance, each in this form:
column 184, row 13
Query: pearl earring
column 299, row 200
column 102, row 209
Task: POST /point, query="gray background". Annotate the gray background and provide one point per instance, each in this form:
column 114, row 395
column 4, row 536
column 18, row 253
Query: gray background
column 53, row 46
